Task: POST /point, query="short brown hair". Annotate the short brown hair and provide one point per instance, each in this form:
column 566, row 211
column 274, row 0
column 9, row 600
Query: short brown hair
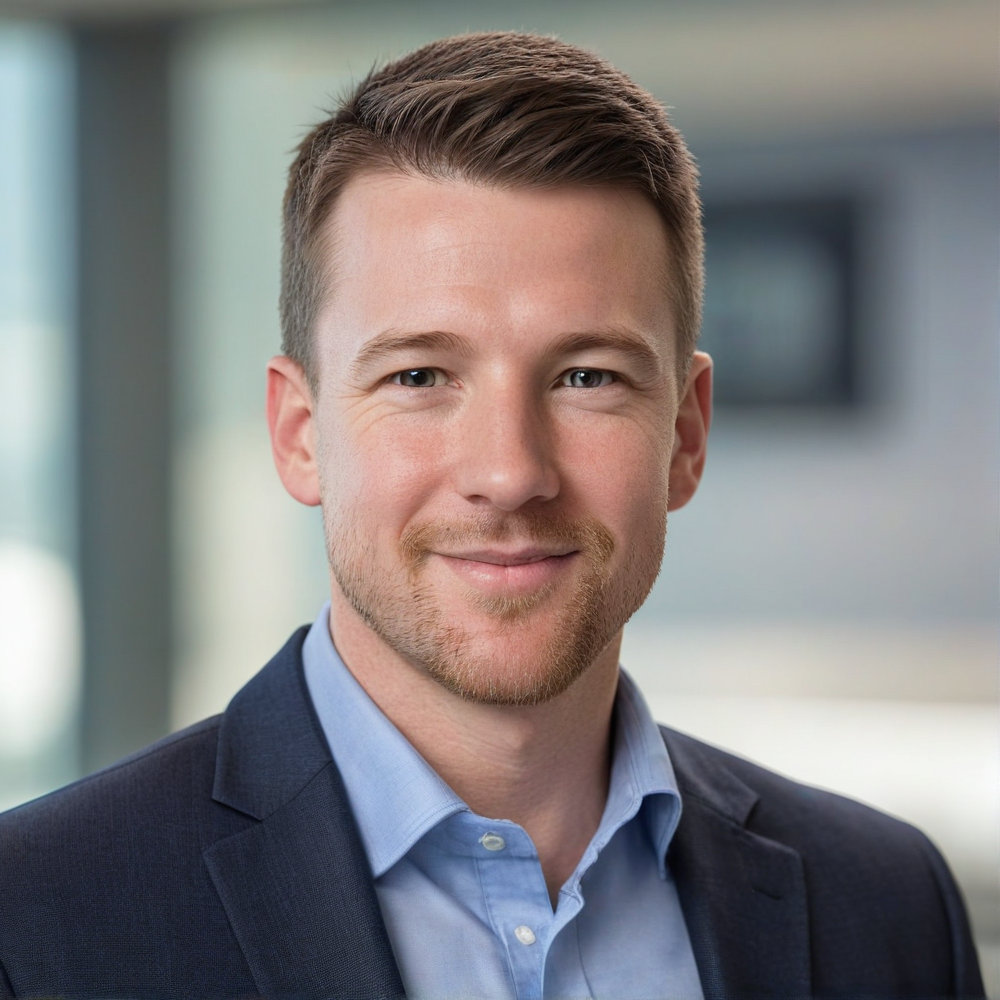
column 502, row 108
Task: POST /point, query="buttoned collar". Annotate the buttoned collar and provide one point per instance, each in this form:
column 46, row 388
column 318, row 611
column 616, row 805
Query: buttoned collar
column 397, row 797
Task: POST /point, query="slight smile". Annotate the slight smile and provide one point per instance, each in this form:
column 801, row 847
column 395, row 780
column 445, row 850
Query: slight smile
column 510, row 572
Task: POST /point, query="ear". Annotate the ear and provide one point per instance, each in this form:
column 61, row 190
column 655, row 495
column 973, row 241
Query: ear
column 290, row 421
column 694, row 416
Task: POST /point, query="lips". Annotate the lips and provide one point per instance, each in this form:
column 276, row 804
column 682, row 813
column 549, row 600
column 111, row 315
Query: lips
column 522, row 554
column 507, row 557
column 509, row 573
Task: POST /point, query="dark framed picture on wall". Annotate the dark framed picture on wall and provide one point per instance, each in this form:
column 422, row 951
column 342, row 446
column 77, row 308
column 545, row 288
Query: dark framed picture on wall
column 781, row 297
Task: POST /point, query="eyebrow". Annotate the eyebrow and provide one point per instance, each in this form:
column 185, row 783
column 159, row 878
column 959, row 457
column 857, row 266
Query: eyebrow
column 391, row 342
column 645, row 357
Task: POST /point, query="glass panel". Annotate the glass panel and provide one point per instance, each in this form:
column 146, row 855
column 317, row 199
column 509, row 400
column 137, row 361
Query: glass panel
column 39, row 606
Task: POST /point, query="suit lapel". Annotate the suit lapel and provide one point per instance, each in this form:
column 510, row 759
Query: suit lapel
column 296, row 884
column 743, row 896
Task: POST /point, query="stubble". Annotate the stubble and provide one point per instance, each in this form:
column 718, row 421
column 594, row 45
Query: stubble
column 498, row 654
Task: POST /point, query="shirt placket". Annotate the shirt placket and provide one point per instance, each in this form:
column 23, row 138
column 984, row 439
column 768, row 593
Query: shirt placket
column 518, row 904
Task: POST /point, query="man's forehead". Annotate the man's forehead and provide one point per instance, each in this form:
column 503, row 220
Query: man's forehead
column 409, row 251
column 440, row 211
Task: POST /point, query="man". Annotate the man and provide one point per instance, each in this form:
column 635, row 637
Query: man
column 446, row 787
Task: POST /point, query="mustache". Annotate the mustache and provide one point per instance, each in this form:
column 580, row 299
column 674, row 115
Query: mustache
column 587, row 534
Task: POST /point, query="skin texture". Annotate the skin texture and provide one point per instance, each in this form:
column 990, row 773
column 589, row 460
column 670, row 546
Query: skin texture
column 497, row 435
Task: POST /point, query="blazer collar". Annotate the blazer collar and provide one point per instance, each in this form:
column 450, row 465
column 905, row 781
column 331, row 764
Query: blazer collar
column 743, row 895
column 295, row 885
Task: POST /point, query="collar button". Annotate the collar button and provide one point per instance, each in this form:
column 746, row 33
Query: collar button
column 492, row 842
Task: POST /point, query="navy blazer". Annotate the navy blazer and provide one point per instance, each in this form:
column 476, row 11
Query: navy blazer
column 224, row 862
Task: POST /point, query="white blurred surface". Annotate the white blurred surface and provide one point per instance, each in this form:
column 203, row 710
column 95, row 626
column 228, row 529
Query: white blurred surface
column 39, row 648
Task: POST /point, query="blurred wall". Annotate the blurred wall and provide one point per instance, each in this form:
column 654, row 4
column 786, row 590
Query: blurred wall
column 828, row 601
column 876, row 513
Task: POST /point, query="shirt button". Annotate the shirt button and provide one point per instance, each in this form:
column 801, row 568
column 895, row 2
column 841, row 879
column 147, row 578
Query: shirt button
column 492, row 842
column 524, row 934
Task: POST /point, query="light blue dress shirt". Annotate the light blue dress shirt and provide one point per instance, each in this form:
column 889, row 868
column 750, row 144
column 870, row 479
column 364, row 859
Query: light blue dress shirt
column 463, row 896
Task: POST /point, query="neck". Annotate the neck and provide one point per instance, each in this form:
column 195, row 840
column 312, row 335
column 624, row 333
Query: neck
column 545, row 767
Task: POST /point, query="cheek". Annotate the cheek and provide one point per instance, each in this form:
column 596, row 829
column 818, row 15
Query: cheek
column 620, row 475
column 378, row 475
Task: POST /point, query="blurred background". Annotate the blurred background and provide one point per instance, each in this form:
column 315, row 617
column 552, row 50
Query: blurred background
column 828, row 604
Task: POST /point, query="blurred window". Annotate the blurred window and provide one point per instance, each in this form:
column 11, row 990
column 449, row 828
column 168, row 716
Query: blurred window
column 39, row 607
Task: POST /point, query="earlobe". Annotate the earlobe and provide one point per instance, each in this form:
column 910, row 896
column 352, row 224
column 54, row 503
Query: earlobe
column 694, row 416
column 290, row 421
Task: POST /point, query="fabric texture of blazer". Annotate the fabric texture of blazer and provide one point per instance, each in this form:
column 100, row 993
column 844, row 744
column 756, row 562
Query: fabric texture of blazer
column 224, row 861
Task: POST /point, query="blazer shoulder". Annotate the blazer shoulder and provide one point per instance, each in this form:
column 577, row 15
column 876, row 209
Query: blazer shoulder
column 780, row 806
column 104, row 881
column 175, row 768
column 866, row 870
column 841, row 841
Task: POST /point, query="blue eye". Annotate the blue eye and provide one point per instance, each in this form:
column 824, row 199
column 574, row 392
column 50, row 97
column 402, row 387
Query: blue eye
column 587, row 378
column 420, row 378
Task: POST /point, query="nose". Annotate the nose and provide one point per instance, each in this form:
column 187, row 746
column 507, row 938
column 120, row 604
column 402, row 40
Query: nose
column 506, row 455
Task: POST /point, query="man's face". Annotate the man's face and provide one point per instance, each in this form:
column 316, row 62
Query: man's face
column 494, row 424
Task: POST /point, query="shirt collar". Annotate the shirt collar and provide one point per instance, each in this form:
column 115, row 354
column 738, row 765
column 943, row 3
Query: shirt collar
column 397, row 797
column 642, row 776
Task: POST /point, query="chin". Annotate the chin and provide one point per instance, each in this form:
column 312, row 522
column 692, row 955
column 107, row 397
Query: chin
column 513, row 655
column 495, row 677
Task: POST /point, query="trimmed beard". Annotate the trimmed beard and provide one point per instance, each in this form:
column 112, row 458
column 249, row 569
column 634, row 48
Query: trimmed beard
column 406, row 616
